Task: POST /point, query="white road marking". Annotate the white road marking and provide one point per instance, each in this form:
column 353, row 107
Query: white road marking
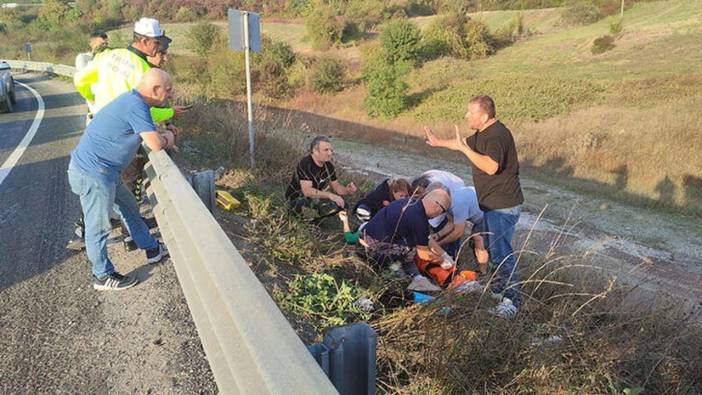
column 12, row 160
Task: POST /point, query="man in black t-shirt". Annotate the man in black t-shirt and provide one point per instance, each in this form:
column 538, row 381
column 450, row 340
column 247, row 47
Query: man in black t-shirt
column 493, row 158
column 314, row 175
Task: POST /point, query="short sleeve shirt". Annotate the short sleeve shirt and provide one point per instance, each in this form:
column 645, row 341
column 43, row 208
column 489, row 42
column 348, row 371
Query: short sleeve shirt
column 450, row 181
column 112, row 138
column 502, row 189
column 403, row 221
column 306, row 170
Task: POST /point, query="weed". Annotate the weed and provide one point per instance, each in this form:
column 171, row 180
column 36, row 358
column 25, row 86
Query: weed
column 324, row 298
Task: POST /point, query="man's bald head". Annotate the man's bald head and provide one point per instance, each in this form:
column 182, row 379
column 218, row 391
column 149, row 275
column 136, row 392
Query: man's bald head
column 436, row 202
column 155, row 87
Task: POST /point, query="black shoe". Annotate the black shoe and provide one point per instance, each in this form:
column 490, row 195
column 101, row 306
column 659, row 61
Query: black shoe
column 156, row 254
column 114, row 282
column 129, row 244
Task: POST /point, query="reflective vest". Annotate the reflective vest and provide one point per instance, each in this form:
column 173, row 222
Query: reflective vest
column 112, row 74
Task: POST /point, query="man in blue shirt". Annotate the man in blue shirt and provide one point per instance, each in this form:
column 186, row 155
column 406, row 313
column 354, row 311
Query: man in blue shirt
column 401, row 229
column 109, row 144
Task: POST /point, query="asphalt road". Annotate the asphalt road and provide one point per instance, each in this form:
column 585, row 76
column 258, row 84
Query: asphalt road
column 57, row 334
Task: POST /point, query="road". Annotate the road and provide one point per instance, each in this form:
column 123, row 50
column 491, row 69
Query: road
column 57, row 334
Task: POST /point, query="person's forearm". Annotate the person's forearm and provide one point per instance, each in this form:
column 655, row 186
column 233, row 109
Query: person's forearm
column 452, row 236
column 482, row 162
column 444, row 231
column 436, row 250
column 341, row 190
column 478, row 242
column 315, row 193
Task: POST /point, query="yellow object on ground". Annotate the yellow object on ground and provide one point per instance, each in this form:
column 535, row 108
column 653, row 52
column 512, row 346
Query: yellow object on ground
column 226, row 200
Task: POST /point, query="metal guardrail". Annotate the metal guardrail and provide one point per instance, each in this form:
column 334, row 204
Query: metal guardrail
column 44, row 67
column 250, row 346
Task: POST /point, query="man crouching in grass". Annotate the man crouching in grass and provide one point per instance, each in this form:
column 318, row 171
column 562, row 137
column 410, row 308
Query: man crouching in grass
column 307, row 192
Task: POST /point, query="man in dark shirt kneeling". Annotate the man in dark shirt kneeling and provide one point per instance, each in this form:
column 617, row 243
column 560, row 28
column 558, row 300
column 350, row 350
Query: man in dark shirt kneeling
column 400, row 231
column 313, row 176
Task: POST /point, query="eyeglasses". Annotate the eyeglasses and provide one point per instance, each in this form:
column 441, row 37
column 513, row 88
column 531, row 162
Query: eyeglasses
column 443, row 209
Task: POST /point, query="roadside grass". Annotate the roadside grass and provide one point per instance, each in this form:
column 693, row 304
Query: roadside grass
column 576, row 116
column 580, row 329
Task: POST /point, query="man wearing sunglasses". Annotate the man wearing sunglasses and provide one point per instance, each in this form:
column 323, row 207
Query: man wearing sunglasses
column 493, row 158
column 400, row 230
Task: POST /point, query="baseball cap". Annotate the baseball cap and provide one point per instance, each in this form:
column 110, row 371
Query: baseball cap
column 148, row 27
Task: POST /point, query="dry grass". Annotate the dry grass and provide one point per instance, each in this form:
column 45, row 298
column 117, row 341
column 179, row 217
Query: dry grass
column 579, row 331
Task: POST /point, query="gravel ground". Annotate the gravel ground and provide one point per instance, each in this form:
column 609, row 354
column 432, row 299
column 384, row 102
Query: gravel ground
column 57, row 334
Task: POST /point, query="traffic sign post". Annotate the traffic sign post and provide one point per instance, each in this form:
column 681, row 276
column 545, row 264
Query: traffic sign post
column 244, row 35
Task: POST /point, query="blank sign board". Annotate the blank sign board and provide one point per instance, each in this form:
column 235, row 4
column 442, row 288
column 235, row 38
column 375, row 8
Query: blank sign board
column 236, row 30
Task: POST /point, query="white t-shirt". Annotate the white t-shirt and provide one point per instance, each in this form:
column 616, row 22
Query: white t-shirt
column 464, row 207
column 450, row 181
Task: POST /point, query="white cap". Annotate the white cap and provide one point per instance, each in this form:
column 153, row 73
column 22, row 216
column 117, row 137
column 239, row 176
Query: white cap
column 148, row 27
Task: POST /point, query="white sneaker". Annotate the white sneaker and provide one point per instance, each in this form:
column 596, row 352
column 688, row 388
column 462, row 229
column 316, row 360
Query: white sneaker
column 421, row 283
column 504, row 309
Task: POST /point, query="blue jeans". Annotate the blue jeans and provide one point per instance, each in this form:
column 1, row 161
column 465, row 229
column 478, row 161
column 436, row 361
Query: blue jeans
column 500, row 225
column 98, row 198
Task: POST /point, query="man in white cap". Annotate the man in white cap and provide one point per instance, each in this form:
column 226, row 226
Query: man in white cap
column 120, row 70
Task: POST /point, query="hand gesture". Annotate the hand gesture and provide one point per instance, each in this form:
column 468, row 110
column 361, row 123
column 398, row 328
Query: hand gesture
column 432, row 140
column 460, row 143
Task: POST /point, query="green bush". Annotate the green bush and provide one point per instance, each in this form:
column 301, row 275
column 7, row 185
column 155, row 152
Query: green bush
column 460, row 37
column 399, row 39
column 385, row 83
column 328, row 75
column 479, row 42
column 272, row 68
column 324, row 26
column 227, row 74
column 421, row 7
column 202, row 37
column 298, row 7
column 581, row 13
column 366, row 14
column 185, row 14
column 602, row 44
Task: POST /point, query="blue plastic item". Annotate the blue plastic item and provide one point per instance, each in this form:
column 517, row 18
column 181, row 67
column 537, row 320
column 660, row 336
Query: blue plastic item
column 421, row 298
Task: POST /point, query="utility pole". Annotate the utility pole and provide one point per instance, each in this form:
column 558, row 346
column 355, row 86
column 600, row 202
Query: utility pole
column 621, row 13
